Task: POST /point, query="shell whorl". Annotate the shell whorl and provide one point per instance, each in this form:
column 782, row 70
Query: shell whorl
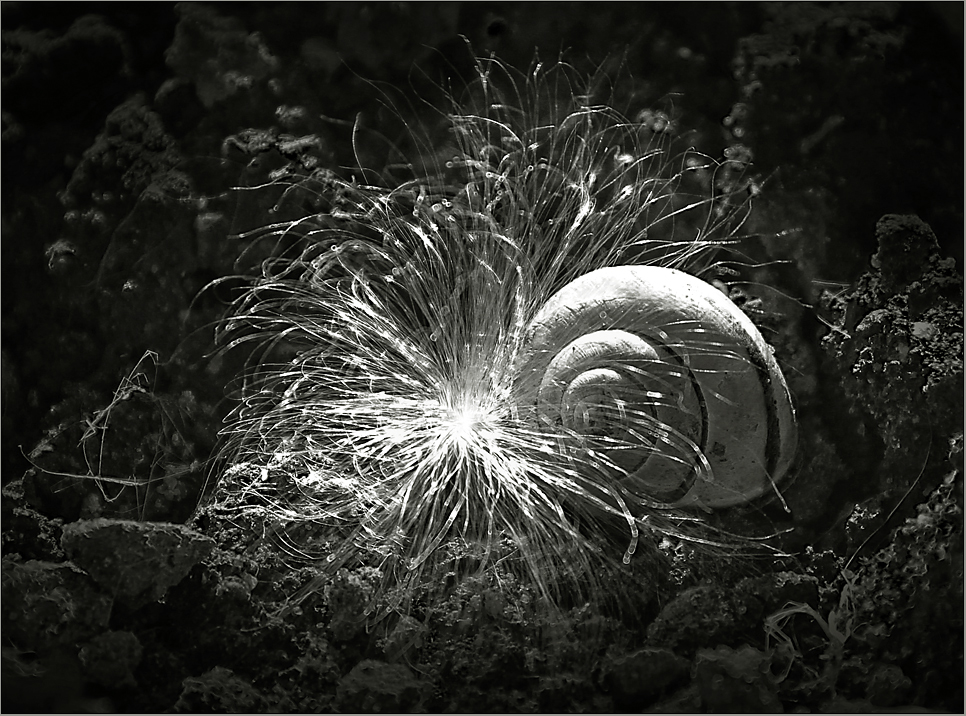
column 662, row 381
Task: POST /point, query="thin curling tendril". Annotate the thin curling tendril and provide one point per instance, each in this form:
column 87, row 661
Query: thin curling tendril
column 405, row 315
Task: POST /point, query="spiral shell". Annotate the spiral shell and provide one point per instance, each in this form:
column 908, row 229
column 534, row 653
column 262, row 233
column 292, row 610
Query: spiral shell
column 659, row 380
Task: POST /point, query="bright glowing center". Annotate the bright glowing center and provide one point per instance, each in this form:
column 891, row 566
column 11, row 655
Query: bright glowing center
column 463, row 423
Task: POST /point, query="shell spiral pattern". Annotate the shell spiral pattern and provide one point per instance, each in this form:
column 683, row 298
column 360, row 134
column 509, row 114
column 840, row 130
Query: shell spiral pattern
column 665, row 378
column 498, row 361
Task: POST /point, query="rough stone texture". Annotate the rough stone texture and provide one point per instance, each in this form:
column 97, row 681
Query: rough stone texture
column 219, row 691
column 110, row 659
column 901, row 340
column 217, row 54
column 906, row 604
column 639, row 678
column 47, row 604
column 26, row 532
column 694, row 617
column 888, row 686
column 736, row 681
column 899, row 348
column 707, row 616
column 162, row 478
column 134, row 561
column 407, row 633
column 375, row 686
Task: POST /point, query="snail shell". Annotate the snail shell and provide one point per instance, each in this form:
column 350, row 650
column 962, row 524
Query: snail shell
column 658, row 379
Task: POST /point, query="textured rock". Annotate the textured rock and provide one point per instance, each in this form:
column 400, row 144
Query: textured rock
column 26, row 532
column 888, row 686
column 219, row 691
column 135, row 561
column 902, row 335
column 906, row 602
column 707, row 616
column 899, row 348
column 694, row 617
column 736, row 681
column 639, row 678
column 374, row 686
column 217, row 54
column 47, row 604
column 109, row 659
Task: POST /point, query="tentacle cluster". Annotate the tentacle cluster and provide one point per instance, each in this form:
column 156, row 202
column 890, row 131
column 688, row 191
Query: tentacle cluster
column 395, row 329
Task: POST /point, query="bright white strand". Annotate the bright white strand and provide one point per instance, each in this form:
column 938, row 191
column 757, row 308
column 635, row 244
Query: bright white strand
column 404, row 385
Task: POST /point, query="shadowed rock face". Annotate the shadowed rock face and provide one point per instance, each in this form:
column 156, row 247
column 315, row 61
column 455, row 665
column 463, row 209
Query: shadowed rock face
column 899, row 351
column 50, row 604
column 136, row 562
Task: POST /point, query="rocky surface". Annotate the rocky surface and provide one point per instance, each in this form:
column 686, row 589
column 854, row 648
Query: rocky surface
column 136, row 562
column 137, row 145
